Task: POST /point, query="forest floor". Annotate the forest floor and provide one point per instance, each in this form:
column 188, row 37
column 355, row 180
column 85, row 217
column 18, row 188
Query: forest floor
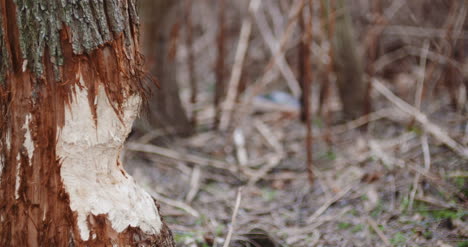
column 392, row 182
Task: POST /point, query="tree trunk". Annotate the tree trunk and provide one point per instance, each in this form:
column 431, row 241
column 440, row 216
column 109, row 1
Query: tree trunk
column 165, row 107
column 348, row 64
column 70, row 88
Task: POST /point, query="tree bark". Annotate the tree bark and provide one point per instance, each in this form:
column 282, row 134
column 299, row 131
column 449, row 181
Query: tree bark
column 165, row 107
column 70, row 88
column 348, row 64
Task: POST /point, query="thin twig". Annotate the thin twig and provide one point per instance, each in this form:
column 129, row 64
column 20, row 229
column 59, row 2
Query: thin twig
column 427, row 166
column 458, row 174
column 328, row 203
column 273, row 162
column 236, row 73
column 417, row 104
column 268, row 135
column 433, row 129
column 389, row 160
column 194, row 184
column 410, row 50
column 414, row 190
column 426, row 152
column 174, row 203
column 435, row 202
column 420, row 85
column 269, row 75
column 239, row 142
column 233, row 218
column 423, row 32
column 275, row 48
column 358, row 122
column 168, row 153
column 379, row 232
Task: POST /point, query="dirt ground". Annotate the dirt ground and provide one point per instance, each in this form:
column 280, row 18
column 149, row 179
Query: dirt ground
column 381, row 180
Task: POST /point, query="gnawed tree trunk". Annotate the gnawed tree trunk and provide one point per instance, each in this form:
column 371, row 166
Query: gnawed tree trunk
column 165, row 107
column 70, row 88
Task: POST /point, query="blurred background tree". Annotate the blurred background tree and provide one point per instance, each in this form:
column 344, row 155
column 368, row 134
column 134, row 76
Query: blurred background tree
column 161, row 21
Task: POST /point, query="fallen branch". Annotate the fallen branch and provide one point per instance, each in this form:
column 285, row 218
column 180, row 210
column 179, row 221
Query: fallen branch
column 175, row 203
column 431, row 128
column 168, row 153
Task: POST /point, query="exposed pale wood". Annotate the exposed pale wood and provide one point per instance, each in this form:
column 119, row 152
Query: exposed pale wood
column 69, row 93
